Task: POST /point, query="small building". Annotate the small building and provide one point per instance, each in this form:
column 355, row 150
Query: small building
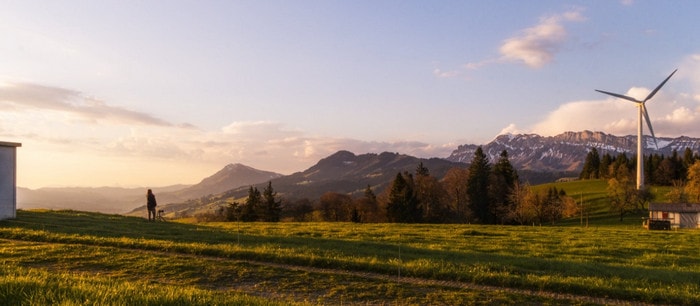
column 8, row 179
column 677, row 215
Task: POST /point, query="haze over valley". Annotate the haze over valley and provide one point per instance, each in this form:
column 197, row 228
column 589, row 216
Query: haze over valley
column 159, row 94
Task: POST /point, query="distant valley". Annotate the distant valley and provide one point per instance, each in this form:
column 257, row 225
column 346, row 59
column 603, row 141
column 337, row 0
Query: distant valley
column 538, row 159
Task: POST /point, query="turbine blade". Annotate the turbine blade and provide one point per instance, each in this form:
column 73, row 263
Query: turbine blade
column 651, row 94
column 620, row 96
column 651, row 130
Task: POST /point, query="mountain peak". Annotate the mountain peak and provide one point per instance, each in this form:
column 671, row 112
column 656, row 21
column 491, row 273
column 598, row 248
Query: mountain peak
column 236, row 166
column 229, row 177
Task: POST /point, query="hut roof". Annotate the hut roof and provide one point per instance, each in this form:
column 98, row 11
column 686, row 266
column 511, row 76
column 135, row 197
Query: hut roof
column 9, row 144
column 675, row 207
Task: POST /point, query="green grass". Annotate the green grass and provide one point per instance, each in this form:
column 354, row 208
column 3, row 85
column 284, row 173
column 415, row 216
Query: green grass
column 70, row 257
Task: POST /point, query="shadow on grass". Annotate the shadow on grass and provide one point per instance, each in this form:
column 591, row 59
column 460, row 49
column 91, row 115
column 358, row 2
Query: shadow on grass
column 386, row 257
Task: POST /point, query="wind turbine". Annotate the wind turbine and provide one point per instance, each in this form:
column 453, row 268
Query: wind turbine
column 642, row 112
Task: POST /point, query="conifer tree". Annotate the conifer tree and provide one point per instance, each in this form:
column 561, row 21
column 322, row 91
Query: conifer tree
column 503, row 180
column 403, row 203
column 605, row 163
column 591, row 166
column 271, row 206
column 478, row 186
column 251, row 205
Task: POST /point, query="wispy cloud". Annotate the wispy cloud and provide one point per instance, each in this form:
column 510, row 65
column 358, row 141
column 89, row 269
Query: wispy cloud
column 536, row 46
column 20, row 97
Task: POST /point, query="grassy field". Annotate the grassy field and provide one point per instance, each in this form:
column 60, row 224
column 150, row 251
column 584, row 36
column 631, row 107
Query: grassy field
column 77, row 258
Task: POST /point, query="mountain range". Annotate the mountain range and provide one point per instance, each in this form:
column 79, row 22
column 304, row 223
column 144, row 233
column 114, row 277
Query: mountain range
column 538, row 159
column 567, row 151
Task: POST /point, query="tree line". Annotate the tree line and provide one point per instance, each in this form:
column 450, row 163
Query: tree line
column 659, row 170
column 482, row 193
column 680, row 172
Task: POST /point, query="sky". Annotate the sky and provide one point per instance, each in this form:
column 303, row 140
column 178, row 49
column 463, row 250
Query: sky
column 153, row 93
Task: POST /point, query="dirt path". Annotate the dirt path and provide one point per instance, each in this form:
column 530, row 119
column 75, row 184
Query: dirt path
column 452, row 284
column 565, row 298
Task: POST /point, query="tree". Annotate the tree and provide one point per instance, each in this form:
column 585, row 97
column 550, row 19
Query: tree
column 523, row 210
column 270, row 207
column 457, row 199
column 552, row 207
column 300, row 210
column 430, row 196
column 605, row 163
column 421, row 170
column 591, row 166
column 665, row 173
column 688, row 159
column 502, row 182
column 677, row 194
column 622, row 192
column 693, row 186
column 336, row 206
column 251, row 206
column 233, row 211
column 402, row 206
column 478, row 186
column 367, row 207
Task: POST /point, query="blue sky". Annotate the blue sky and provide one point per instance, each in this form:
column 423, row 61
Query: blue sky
column 151, row 93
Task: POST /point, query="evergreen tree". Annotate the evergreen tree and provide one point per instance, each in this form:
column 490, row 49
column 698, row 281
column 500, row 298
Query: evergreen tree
column 271, row 206
column 688, row 160
column 403, row 203
column 251, row 205
column 478, row 187
column 503, row 180
column 591, row 166
column 421, row 170
column 506, row 170
column 605, row 163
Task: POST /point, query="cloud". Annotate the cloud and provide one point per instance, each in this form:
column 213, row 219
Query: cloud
column 670, row 115
column 446, row 74
column 511, row 129
column 534, row 47
column 264, row 145
column 20, row 97
column 537, row 45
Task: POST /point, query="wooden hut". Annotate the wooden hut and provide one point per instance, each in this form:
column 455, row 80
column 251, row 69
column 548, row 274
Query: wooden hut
column 676, row 215
column 8, row 179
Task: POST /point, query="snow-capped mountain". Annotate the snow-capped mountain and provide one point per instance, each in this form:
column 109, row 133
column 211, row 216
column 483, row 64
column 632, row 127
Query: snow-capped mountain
column 567, row 151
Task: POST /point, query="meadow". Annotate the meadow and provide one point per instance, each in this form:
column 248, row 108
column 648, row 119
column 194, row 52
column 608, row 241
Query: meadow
column 78, row 258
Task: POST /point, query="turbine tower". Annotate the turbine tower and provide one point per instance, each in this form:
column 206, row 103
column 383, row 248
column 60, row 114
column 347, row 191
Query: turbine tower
column 641, row 105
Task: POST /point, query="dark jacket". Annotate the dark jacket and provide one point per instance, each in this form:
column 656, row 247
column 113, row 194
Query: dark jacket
column 151, row 201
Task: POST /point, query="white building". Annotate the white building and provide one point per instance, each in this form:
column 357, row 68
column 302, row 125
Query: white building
column 8, row 179
column 678, row 215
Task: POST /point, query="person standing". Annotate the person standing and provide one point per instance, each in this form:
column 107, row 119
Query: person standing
column 151, row 205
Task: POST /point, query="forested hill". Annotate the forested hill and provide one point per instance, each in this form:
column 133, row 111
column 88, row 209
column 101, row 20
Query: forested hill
column 347, row 173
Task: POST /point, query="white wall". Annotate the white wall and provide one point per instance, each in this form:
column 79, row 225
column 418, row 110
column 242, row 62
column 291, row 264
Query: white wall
column 8, row 181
